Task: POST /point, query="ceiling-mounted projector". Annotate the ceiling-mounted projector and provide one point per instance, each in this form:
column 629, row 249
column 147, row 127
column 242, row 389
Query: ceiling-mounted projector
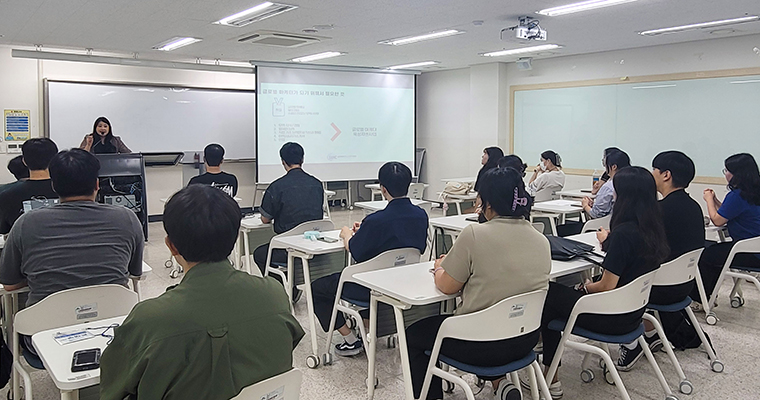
column 526, row 29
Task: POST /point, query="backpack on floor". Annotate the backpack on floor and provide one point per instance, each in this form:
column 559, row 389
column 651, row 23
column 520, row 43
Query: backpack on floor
column 680, row 331
column 6, row 363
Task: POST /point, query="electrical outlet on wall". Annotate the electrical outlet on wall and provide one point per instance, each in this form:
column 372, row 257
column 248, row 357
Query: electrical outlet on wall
column 3, row 149
column 13, row 148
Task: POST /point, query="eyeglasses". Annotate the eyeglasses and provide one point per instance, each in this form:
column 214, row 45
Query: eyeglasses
column 104, row 333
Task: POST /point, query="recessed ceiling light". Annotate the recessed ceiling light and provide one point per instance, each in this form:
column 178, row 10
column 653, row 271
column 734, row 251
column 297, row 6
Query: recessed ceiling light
column 320, row 56
column 653, row 87
column 175, row 43
column 254, row 14
column 523, row 50
column 414, row 65
column 748, row 81
column 582, row 6
column 420, row 38
column 691, row 27
column 725, row 31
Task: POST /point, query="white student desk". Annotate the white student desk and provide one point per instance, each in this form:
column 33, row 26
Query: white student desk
column 560, row 207
column 370, row 207
column 10, row 308
column 457, row 199
column 146, row 269
column 452, row 225
column 577, row 194
column 249, row 225
column 413, row 285
column 57, row 358
column 305, row 249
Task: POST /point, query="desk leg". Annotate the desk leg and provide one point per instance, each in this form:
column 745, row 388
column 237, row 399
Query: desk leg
column 372, row 346
column 405, row 366
column 69, row 394
column 247, row 253
column 288, row 278
column 310, row 306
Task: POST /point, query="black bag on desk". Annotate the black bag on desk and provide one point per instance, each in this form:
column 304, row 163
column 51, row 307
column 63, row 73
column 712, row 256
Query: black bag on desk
column 564, row 249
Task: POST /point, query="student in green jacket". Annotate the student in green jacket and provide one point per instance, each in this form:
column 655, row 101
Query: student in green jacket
column 215, row 333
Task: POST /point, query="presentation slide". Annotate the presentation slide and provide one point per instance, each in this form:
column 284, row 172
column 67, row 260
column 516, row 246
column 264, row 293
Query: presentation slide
column 349, row 123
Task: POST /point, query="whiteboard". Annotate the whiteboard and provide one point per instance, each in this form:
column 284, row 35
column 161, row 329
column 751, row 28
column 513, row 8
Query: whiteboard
column 708, row 119
column 153, row 118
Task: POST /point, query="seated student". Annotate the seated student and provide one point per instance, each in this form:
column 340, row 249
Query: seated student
column 213, row 156
column 36, row 154
column 289, row 201
column 489, row 161
column 75, row 243
column 636, row 245
column 400, row 225
column 602, row 205
column 484, row 264
column 740, row 211
column 513, row 161
column 673, row 171
column 17, row 167
column 547, row 178
column 215, row 333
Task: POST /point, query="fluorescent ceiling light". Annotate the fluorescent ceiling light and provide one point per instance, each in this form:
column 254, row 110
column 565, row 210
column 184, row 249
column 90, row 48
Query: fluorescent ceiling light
column 582, row 6
column 175, row 43
column 750, row 81
column 255, row 14
column 413, row 65
column 320, row 56
column 522, row 50
column 691, row 27
column 653, row 87
column 420, row 38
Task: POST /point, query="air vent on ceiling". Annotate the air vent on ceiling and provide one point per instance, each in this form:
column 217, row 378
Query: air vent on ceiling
column 279, row 39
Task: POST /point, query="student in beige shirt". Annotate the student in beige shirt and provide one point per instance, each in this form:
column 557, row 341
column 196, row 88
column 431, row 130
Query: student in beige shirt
column 547, row 178
column 499, row 258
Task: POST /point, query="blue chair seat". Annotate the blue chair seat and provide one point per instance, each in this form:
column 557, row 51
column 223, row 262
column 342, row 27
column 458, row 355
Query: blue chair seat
column 489, row 371
column 671, row 307
column 32, row 359
column 358, row 303
column 559, row 325
column 279, row 264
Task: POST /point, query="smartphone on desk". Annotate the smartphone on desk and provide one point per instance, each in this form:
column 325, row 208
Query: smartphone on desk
column 327, row 239
column 85, row 360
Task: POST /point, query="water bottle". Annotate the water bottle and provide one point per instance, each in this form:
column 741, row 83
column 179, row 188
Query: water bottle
column 595, row 177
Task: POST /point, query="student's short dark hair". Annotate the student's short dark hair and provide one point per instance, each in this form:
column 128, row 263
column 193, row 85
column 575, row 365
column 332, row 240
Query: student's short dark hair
column 395, row 177
column 202, row 222
column 74, row 173
column 38, row 152
column 498, row 190
column 17, row 167
column 292, row 153
column 681, row 167
column 619, row 158
column 213, row 155
column 513, row 161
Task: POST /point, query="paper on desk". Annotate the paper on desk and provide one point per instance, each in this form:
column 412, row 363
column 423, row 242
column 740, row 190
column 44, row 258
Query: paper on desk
column 63, row 338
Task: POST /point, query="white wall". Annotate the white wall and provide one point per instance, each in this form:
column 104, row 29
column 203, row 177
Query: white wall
column 21, row 88
column 452, row 99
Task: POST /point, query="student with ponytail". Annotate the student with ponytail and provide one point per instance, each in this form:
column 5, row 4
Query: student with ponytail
column 547, row 178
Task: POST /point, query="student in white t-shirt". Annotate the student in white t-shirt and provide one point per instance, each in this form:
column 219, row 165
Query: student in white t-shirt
column 547, row 178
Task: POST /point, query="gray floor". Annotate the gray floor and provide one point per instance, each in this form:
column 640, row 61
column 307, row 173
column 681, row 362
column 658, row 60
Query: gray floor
column 735, row 337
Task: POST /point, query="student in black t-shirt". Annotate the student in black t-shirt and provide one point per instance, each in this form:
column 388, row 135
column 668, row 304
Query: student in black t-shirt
column 636, row 245
column 684, row 225
column 36, row 154
column 213, row 156
column 17, row 167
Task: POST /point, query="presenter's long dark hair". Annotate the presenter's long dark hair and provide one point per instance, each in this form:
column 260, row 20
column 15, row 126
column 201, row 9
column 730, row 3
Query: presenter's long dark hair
column 636, row 202
column 746, row 177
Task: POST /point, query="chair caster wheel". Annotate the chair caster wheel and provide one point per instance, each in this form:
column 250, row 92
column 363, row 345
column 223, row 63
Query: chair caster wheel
column 717, row 366
column 448, row 387
column 608, row 376
column 480, row 384
column 737, row 302
column 174, row 274
column 327, row 359
column 671, row 397
column 391, row 342
column 168, row 263
column 686, row 387
column 312, row 361
column 711, row 318
column 587, row 375
column 601, row 363
column 377, row 382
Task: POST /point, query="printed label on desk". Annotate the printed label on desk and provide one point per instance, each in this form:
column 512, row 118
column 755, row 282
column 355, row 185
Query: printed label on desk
column 78, row 377
column 277, row 394
column 517, row 310
column 86, row 311
column 72, row 337
column 400, row 260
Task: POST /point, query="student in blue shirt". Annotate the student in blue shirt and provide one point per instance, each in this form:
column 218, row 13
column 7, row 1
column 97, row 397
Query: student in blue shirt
column 739, row 211
column 601, row 206
column 400, row 225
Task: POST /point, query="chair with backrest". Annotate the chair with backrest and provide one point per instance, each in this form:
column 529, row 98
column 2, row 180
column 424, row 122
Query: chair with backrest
column 59, row 310
column 679, row 271
column 737, row 273
column 417, row 190
column 593, row 225
column 507, row 319
column 629, row 298
column 346, row 305
column 285, row 386
column 280, row 269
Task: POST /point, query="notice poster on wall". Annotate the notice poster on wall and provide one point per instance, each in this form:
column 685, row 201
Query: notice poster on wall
column 16, row 125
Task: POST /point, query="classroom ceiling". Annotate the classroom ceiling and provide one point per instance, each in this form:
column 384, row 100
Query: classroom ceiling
column 137, row 25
